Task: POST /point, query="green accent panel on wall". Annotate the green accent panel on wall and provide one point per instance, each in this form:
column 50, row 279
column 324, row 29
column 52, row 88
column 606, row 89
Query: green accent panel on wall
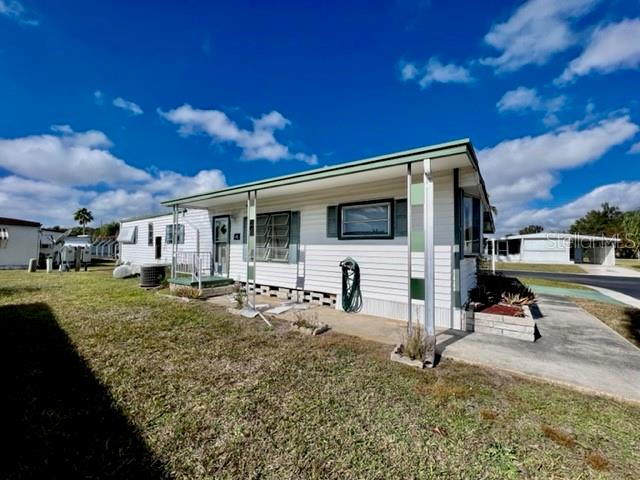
column 417, row 194
column 417, row 241
column 251, row 272
column 417, row 288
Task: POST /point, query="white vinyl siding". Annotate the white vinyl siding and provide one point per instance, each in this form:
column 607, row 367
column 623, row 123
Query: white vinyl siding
column 383, row 262
column 23, row 243
column 142, row 253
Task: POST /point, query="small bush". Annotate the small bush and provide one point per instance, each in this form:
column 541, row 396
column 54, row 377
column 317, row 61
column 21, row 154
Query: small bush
column 561, row 437
column 415, row 346
column 187, row 292
column 240, row 297
column 493, row 289
column 597, row 461
column 306, row 319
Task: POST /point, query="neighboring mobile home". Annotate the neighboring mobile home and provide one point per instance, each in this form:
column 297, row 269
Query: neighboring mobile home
column 288, row 234
column 19, row 242
column 561, row 248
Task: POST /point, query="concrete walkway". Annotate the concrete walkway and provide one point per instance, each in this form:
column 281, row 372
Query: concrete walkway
column 575, row 349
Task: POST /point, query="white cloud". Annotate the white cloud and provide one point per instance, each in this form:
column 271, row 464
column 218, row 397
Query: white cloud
column 613, row 47
column 635, row 148
column 523, row 99
column 131, row 107
column 49, row 197
column 16, row 11
column 524, row 169
column 537, row 30
column 434, row 71
column 625, row 195
column 70, row 158
column 259, row 143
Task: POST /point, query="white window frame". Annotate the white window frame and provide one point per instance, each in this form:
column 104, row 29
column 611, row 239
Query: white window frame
column 169, row 234
column 469, row 244
column 266, row 248
column 389, row 203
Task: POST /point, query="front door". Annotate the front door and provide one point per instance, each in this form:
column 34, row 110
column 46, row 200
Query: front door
column 158, row 251
column 221, row 246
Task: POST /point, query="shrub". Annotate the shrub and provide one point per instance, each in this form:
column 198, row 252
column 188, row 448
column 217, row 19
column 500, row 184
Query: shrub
column 492, row 289
column 415, row 346
column 187, row 292
column 306, row 319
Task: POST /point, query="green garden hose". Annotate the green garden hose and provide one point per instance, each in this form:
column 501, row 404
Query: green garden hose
column 351, row 295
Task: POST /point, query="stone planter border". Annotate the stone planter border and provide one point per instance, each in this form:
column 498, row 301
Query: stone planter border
column 396, row 356
column 521, row 328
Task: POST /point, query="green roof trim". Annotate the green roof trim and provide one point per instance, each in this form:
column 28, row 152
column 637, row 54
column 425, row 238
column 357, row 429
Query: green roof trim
column 433, row 151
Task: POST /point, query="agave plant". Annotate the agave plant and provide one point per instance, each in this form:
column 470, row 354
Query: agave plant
column 524, row 297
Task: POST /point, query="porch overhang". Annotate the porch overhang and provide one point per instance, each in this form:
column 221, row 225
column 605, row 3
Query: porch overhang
column 445, row 156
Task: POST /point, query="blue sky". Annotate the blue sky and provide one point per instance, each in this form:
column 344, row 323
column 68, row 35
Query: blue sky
column 117, row 105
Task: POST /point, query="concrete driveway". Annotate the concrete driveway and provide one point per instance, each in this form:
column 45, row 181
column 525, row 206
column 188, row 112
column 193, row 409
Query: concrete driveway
column 575, row 349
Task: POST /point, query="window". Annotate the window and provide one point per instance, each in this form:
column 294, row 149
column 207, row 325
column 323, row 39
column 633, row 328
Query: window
column 4, row 237
column 502, row 247
column 471, row 225
column 150, row 235
column 128, row 235
column 272, row 237
column 169, row 234
column 366, row 220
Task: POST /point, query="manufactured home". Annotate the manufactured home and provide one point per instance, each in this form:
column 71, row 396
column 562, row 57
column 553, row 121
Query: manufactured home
column 559, row 248
column 413, row 221
column 19, row 242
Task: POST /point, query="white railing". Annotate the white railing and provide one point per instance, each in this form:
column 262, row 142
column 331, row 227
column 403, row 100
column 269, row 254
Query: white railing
column 193, row 263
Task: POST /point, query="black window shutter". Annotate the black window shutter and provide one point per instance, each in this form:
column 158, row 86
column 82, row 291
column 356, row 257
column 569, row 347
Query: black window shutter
column 332, row 222
column 400, row 222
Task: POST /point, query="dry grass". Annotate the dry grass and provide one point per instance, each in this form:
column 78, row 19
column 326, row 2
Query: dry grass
column 597, row 461
column 632, row 263
column 103, row 379
column 558, row 435
column 624, row 320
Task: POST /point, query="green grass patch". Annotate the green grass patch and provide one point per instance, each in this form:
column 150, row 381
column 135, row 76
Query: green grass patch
column 539, row 267
column 104, row 379
column 551, row 283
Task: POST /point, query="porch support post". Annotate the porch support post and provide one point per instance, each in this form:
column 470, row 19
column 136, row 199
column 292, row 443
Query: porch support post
column 173, row 243
column 409, row 296
column 255, row 231
column 248, row 237
column 429, row 268
column 252, row 206
column 493, row 256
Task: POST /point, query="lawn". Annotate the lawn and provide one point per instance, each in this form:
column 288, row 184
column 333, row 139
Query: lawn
column 105, row 380
column 624, row 320
column 539, row 267
column 632, row 263
column 545, row 282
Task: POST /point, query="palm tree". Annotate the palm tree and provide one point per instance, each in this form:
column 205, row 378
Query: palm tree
column 83, row 216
